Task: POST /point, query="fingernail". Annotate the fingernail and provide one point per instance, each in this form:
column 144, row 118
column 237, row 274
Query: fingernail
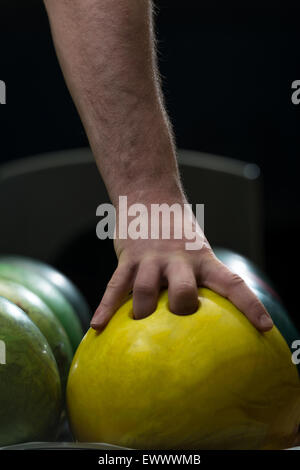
column 96, row 322
column 266, row 321
column 140, row 315
column 97, row 326
column 94, row 325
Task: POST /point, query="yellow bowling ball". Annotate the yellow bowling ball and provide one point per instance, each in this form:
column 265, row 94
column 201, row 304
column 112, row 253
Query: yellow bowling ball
column 204, row 381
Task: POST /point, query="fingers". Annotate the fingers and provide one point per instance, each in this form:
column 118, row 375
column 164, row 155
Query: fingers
column 146, row 289
column 117, row 289
column 221, row 280
column 183, row 291
column 181, row 276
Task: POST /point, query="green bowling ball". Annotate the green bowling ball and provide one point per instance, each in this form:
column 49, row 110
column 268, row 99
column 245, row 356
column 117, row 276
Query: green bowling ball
column 50, row 294
column 45, row 320
column 246, row 269
column 263, row 288
column 280, row 317
column 61, row 282
column 30, row 387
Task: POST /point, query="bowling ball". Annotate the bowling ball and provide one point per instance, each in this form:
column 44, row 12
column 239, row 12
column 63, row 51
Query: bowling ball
column 247, row 270
column 280, row 317
column 52, row 297
column 204, row 381
column 30, row 389
column 45, row 320
column 263, row 289
column 61, row 282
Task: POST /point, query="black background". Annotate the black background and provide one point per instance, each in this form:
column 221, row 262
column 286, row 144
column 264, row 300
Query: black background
column 227, row 75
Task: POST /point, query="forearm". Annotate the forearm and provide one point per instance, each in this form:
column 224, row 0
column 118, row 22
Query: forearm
column 106, row 50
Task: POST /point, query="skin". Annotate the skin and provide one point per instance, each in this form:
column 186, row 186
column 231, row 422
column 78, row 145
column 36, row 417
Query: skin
column 107, row 53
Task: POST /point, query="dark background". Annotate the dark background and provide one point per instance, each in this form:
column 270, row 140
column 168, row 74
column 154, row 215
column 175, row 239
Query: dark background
column 227, row 77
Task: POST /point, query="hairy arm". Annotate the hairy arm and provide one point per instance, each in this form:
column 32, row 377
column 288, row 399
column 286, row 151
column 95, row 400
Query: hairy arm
column 107, row 52
column 105, row 48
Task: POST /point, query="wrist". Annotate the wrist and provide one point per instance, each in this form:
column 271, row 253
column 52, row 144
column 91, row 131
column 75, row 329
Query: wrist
column 163, row 191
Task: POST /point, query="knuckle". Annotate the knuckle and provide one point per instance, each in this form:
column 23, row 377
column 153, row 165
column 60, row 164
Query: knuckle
column 235, row 282
column 144, row 289
column 105, row 305
column 207, row 251
column 185, row 288
column 206, row 255
column 125, row 269
column 113, row 284
column 255, row 306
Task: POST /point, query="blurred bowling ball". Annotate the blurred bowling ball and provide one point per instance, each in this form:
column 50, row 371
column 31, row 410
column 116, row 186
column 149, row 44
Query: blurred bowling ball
column 49, row 293
column 30, row 388
column 45, row 320
column 246, row 269
column 280, row 317
column 263, row 288
column 61, row 282
column 204, row 381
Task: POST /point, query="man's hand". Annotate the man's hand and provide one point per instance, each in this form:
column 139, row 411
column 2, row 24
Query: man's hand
column 145, row 266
